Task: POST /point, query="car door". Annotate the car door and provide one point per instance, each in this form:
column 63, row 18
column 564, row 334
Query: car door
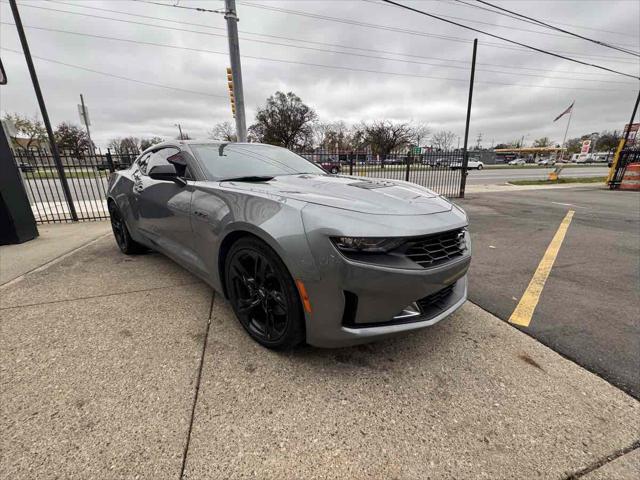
column 164, row 208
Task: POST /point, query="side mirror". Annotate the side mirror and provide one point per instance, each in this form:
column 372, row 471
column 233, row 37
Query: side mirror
column 166, row 172
column 181, row 158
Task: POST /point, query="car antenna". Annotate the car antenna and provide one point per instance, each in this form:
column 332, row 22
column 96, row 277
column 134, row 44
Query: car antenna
column 221, row 149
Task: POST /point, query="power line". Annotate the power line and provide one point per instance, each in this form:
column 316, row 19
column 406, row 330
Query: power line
column 465, row 68
column 297, row 39
column 335, row 67
column 117, row 76
column 558, row 29
column 496, row 25
column 199, row 9
column 546, row 52
column 418, row 33
column 410, row 32
column 582, row 27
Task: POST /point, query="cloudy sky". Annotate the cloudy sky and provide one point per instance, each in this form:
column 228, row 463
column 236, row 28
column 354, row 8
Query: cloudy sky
column 413, row 68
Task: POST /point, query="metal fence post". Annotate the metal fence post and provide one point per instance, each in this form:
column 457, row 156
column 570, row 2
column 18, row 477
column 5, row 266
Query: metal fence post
column 408, row 162
column 110, row 161
column 43, row 110
column 465, row 158
column 351, row 163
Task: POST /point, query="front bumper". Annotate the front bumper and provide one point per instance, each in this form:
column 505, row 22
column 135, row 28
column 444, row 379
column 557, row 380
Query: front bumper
column 355, row 302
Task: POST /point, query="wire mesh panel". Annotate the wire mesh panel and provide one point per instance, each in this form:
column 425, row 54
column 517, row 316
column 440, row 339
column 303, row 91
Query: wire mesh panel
column 87, row 176
column 438, row 171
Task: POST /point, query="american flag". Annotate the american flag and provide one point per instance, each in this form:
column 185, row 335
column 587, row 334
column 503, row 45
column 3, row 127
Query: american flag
column 565, row 112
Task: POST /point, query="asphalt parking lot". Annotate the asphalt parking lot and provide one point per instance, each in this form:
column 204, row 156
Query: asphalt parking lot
column 129, row 367
column 589, row 309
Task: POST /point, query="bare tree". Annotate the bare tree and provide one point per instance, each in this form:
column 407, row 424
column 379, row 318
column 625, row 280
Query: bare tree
column 331, row 135
column 29, row 131
column 419, row 133
column 149, row 142
column 443, row 140
column 130, row 145
column 284, row 120
column 385, row 136
column 224, row 132
column 542, row 142
column 114, row 145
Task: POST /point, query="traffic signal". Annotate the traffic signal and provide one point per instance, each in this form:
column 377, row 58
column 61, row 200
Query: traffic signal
column 232, row 97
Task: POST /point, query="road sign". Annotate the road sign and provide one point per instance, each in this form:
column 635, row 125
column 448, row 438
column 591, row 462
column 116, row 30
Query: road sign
column 416, row 150
column 633, row 134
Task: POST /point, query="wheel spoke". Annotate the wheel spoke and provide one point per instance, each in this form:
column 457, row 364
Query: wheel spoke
column 245, row 305
column 242, row 274
column 269, row 324
column 259, row 269
column 278, row 302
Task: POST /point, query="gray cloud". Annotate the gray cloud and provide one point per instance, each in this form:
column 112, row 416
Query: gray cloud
column 500, row 112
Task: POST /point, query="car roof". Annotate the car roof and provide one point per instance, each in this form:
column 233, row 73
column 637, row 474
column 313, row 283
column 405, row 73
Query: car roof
column 179, row 143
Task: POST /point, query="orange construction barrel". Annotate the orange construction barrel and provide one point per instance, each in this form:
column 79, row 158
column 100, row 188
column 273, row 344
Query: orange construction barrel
column 631, row 178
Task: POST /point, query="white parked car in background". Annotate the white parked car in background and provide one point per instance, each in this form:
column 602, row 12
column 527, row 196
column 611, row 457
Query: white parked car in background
column 473, row 163
column 517, row 161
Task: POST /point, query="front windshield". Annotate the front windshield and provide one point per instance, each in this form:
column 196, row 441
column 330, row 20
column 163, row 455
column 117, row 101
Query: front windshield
column 244, row 160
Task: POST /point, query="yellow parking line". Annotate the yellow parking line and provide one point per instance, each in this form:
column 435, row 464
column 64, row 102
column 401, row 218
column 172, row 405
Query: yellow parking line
column 524, row 311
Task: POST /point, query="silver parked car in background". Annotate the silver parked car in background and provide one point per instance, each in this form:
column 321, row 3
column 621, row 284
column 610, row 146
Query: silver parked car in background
column 301, row 255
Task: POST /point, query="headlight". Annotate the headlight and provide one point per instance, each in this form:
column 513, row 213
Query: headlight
column 366, row 244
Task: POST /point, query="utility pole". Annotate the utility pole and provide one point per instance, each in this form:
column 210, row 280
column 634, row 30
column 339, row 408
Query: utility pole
column 465, row 158
column 564, row 140
column 179, row 129
column 236, row 70
column 43, row 110
column 85, row 117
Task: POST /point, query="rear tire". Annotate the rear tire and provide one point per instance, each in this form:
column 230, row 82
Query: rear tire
column 263, row 295
column 334, row 170
column 127, row 245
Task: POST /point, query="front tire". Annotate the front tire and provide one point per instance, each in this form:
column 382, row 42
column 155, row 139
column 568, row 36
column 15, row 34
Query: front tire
column 263, row 295
column 480, row 167
column 127, row 245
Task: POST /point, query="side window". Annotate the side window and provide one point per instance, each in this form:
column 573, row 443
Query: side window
column 142, row 163
column 159, row 157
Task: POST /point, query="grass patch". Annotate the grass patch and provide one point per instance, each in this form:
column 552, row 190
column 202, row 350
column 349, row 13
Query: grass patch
column 560, row 180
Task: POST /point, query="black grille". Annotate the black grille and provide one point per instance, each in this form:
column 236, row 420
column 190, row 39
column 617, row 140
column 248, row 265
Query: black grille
column 436, row 299
column 436, row 249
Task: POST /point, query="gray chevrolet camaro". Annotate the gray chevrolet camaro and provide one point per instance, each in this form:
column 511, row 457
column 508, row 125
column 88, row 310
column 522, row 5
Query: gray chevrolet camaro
column 301, row 255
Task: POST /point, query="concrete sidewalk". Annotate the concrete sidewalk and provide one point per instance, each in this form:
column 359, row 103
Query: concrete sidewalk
column 53, row 242
column 101, row 356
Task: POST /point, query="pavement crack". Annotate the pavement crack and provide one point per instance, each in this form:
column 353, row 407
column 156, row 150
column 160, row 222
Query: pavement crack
column 185, row 452
column 89, row 297
column 603, row 461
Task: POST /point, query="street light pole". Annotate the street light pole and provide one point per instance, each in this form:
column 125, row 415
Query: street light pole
column 236, row 70
column 180, row 130
column 43, row 110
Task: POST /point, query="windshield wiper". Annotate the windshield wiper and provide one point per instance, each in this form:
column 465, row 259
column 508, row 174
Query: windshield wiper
column 249, row 178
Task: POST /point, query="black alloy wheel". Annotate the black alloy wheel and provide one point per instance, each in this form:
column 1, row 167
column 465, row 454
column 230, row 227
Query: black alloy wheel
column 126, row 244
column 263, row 295
column 334, row 170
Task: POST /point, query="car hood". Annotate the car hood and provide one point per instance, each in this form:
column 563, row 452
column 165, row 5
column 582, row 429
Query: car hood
column 358, row 194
